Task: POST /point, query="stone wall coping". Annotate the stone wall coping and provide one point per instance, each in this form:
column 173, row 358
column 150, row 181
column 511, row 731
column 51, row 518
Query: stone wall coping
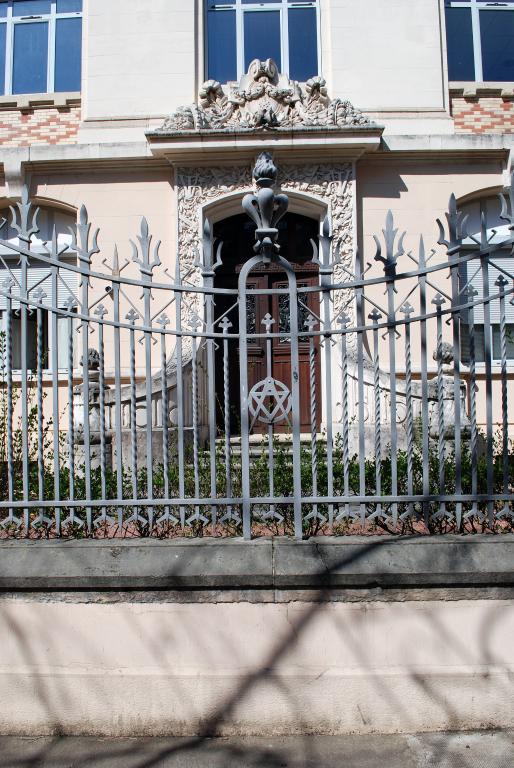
column 268, row 563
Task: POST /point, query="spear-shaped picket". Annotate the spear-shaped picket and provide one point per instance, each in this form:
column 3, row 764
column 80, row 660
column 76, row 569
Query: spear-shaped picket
column 146, row 266
column 392, row 254
column 24, row 217
column 456, row 221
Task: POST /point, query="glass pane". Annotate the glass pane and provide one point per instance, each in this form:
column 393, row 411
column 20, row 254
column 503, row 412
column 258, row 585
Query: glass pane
column 459, row 41
column 31, row 350
column 497, row 35
column 69, row 6
column 68, row 47
column 262, row 36
column 261, row 2
column 303, row 43
column 3, row 30
column 251, row 314
column 284, row 319
column 509, row 338
column 221, row 46
column 30, row 58
column 31, row 7
column 3, row 10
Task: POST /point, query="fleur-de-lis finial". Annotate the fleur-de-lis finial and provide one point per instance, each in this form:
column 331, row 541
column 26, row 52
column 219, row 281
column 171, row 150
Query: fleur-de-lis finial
column 9, row 283
column 225, row 325
column 101, row 311
column 70, row 303
column 39, row 295
column 163, row 320
column 311, row 322
column 407, row 309
column 344, row 320
column 267, row 321
column 265, row 208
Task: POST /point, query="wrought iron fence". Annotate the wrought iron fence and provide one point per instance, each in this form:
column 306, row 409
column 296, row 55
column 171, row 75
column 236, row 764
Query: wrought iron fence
column 343, row 419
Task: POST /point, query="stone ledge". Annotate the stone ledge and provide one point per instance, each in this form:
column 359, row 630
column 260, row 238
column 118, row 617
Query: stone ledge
column 483, row 90
column 26, row 102
column 318, row 564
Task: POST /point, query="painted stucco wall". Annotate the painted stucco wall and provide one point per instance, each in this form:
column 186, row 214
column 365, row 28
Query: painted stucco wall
column 385, row 56
column 129, row 668
column 139, row 58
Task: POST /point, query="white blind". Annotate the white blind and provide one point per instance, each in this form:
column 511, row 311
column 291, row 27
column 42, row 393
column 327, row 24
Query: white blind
column 39, row 275
column 474, row 275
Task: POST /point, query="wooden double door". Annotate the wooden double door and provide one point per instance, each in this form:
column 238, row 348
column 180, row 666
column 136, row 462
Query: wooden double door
column 258, row 306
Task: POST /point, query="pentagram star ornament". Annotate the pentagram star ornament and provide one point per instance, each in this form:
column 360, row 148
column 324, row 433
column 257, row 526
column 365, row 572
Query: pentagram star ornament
column 269, row 401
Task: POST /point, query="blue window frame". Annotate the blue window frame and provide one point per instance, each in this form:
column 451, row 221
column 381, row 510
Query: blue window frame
column 480, row 40
column 40, row 46
column 239, row 31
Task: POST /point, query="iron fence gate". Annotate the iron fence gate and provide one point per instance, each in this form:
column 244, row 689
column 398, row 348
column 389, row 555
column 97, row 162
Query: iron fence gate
column 136, row 437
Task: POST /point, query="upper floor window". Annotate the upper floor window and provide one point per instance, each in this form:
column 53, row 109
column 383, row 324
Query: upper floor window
column 480, row 36
column 239, row 31
column 40, row 46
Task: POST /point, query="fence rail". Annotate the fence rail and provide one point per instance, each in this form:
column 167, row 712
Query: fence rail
column 310, row 397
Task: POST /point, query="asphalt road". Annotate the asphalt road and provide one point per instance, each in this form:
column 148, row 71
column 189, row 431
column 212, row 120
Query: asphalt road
column 441, row 750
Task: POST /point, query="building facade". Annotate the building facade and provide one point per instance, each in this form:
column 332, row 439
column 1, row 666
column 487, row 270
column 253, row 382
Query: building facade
column 160, row 112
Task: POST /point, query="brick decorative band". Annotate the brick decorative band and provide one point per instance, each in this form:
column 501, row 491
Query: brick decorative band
column 483, row 114
column 42, row 126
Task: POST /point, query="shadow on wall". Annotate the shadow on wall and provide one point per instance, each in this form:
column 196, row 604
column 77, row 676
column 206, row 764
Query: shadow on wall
column 345, row 634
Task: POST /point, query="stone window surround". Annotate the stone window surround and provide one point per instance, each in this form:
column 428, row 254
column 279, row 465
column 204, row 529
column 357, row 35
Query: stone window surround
column 27, row 102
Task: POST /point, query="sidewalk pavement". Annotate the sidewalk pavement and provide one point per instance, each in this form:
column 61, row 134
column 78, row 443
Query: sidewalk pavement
column 437, row 750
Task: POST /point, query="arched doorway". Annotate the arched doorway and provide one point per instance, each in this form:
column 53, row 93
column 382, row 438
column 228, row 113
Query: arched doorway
column 237, row 234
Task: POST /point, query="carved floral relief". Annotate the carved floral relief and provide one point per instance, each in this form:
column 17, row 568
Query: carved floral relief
column 264, row 99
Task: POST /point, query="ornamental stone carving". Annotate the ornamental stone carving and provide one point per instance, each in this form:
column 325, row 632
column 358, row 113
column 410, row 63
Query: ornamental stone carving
column 330, row 184
column 264, row 99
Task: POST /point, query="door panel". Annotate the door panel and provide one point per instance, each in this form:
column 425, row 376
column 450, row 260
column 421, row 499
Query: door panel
column 278, row 307
column 308, row 303
column 256, row 308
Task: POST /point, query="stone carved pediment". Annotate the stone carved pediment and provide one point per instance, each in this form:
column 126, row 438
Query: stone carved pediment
column 264, row 99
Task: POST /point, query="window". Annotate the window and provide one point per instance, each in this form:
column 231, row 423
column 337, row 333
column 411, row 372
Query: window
column 40, row 46
column 502, row 263
column 243, row 30
column 479, row 339
column 39, row 276
column 480, row 36
column 31, row 348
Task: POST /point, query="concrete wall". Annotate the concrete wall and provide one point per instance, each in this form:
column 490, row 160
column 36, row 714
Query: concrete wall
column 130, row 668
column 386, row 56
